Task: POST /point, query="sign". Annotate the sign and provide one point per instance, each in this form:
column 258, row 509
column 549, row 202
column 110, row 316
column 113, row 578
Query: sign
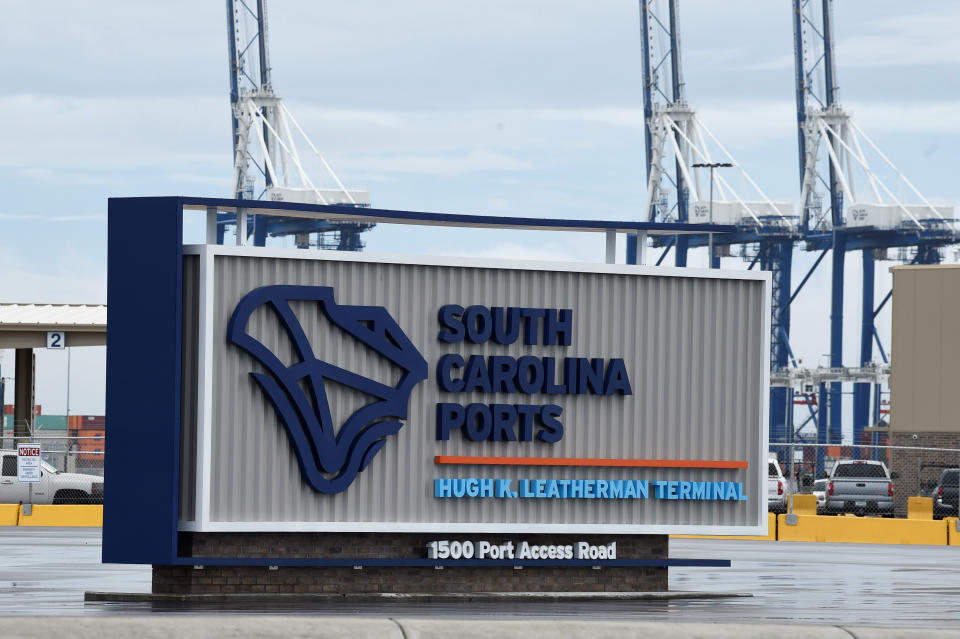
column 466, row 549
column 56, row 340
column 349, row 393
column 28, row 463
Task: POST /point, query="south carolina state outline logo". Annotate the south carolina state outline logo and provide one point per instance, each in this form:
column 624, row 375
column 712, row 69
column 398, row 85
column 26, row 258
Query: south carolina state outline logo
column 329, row 459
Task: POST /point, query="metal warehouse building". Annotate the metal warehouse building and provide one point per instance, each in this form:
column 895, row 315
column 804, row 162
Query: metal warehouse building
column 924, row 375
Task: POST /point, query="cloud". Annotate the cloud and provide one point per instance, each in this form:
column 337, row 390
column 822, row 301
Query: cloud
column 629, row 118
column 87, row 134
column 759, row 121
column 63, row 178
column 364, row 117
column 934, row 116
column 912, row 39
column 39, row 217
column 58, row 285
column 903, row 40
column 223, row 181
column 584, row 248
column 454, row 163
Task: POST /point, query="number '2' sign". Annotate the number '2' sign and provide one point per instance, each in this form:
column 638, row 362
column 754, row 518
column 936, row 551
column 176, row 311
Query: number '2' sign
column 56, row 339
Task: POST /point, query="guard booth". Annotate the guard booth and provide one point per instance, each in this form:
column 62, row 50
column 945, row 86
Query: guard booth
column 346, row 422
column 24, row 327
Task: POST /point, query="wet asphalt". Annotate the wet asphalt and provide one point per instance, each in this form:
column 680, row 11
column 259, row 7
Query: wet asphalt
column 46, row 572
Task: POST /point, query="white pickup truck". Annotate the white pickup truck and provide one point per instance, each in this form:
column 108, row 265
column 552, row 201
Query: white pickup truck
column 776, row 487
column 54, row 487
column 860, row 487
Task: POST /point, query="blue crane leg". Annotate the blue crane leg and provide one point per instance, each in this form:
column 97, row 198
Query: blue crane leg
column 259, row 230
column 777, row 257
column 861, row 392
column 631, row 248
column 680, row 252
column 821, row 428
column 927, row 254
column 875, row 438
column 834, row 421
column 800, row 86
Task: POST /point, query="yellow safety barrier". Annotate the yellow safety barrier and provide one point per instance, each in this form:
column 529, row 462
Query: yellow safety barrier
column 863, row 530
column 804, row 504
column 63, row 515
column 920, row 508
column 771, row 533
column 953, row 535
column 9, row 514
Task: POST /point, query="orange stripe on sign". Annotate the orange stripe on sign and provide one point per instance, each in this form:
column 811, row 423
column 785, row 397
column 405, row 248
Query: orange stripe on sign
column 582, row 461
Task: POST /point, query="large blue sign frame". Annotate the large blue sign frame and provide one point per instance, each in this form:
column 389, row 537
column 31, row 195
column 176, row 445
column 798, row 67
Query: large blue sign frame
column 144, row 386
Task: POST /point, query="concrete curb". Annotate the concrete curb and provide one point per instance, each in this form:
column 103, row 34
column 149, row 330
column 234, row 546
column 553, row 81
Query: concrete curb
column 294, row 627
column 569, row 629
column 387, row 597
column 197, row 627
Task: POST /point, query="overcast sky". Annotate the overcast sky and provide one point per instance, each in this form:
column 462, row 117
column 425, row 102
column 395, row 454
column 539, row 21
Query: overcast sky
column 514, row 108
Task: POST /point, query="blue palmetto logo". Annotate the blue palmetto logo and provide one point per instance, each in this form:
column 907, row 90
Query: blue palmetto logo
column 329, row 459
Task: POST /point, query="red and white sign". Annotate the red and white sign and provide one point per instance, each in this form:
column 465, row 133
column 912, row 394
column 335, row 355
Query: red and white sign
column 28, row 462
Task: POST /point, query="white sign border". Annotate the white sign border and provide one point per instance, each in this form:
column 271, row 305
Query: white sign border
column 203, row 523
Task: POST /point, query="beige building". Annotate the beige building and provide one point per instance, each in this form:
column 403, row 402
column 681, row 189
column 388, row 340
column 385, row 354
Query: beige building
column 925, row 376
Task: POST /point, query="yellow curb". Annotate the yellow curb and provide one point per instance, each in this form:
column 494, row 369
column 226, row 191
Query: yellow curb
column 953, row 535
column 63, row 515
column 920, row 508
column 863, row 530
column 9, row 514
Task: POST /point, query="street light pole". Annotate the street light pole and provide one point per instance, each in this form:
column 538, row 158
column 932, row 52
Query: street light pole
column 711, row 166
column 710, row 237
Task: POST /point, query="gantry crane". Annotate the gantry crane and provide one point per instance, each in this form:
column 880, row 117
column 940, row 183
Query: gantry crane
column 835, row 157
column 266, row 159
column 847, row 206
column 680, row 165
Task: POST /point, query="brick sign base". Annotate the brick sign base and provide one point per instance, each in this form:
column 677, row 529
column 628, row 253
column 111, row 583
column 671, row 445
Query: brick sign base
column 345, row 580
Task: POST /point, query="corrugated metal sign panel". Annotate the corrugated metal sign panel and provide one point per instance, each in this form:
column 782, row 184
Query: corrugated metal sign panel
column 693, row 347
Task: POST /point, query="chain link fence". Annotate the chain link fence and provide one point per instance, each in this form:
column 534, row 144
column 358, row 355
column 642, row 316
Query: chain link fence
column 867, row 480
column 71, row 471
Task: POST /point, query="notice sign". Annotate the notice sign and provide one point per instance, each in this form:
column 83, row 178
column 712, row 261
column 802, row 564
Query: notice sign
column 28, row 462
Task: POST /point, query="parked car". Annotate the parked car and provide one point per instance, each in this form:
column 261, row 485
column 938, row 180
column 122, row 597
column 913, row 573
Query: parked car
column 820, row 492
column 54, row 487
column 945, row 494
column 860, row 487
column 776, row 487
